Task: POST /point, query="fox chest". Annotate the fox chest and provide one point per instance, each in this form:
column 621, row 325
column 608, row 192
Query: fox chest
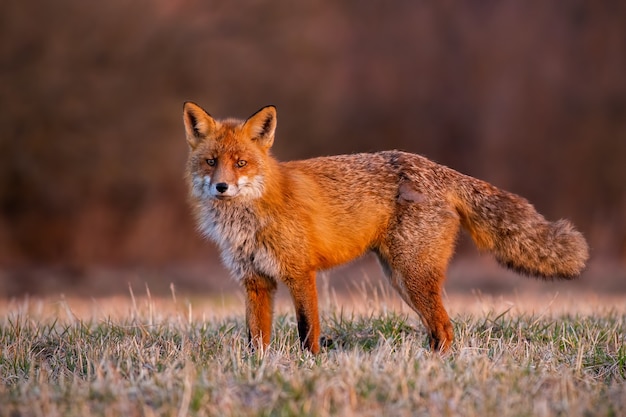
column 235, row 233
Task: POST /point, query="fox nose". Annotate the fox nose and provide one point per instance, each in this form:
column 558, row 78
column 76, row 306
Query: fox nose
column 221, row 187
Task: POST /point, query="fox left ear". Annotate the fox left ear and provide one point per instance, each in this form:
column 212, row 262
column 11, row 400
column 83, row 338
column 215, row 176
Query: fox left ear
column 198, row 123
column 261, row 126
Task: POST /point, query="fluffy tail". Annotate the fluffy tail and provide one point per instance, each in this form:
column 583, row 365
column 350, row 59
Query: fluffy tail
column 520, row 238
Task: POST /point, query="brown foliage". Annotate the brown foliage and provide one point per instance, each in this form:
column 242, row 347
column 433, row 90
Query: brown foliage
column 530, row 96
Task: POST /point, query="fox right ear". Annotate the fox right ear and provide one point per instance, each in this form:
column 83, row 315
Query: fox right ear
column 261, row 126
column 198, row 123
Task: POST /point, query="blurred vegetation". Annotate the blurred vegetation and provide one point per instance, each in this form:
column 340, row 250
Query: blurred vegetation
column 528, row 95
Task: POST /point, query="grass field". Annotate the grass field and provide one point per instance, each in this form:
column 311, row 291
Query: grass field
column 530, row 355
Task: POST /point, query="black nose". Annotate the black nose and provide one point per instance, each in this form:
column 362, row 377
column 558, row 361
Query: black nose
column 221, row 187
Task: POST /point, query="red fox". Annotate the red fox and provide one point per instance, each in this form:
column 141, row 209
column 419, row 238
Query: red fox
column 283, row 221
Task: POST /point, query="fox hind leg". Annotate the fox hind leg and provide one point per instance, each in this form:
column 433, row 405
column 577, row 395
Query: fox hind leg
column 421, row 290
column 424, row 294
column 414, row 258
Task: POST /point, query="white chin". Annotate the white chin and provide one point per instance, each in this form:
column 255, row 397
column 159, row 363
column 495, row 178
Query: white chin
column 223, row 197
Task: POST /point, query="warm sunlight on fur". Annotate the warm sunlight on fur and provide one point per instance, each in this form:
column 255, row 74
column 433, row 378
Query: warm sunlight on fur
column 284, row 221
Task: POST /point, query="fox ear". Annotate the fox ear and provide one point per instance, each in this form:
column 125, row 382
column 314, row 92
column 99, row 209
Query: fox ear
column 261, row 126
column 198, row 123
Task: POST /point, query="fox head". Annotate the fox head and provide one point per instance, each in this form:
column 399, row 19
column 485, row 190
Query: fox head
column 227, row 158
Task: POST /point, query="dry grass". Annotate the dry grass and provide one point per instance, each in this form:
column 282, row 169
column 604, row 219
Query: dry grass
column 530, row 355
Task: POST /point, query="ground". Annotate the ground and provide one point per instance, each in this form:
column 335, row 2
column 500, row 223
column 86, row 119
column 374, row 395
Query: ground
column 526, row 353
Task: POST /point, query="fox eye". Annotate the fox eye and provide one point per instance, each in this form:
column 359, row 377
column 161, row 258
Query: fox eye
column 241, row 163
column 210, row 162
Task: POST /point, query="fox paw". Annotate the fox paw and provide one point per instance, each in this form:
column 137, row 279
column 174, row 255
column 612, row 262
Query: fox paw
column 327, row 342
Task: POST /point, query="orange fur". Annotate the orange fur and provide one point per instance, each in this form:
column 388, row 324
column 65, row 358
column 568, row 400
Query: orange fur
column 283, row 221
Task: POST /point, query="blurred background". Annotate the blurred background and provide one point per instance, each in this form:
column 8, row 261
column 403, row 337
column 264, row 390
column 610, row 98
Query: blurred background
column 530, row 96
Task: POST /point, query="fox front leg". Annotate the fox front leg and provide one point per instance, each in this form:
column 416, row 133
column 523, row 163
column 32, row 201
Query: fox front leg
column 304, row 295
column 259, row 310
